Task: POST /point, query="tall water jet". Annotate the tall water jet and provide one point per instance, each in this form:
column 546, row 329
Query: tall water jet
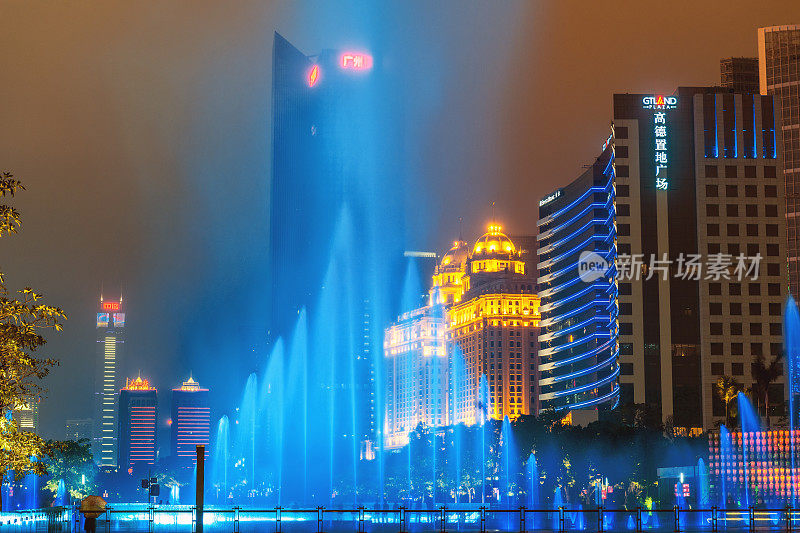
column 508, row 467
column 791, row 346
column 61, row 494
column 533, row 482
column 221, row 458
column 750, row 425
column 484, row 412
column 726, row 458
column 246, row 428
column 703, row 498
column 272, row 408
column 558, row 502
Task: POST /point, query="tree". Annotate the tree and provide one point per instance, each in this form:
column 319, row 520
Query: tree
column 765, row 375
column 23, row 316
column 727, row 390
column 71, row 461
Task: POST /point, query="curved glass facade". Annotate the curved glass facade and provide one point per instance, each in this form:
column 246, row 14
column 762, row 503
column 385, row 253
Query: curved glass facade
column 578, row 340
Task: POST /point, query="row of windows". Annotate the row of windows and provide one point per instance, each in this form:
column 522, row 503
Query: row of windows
column 753, row 289
column 737, row 369
column 732, row 191
column 756, row 328
column 732, row 230
column 735, row 308
column 731, row 171
column 732, row 210
column 717, row 349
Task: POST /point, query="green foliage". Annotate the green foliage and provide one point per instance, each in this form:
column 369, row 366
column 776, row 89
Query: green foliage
column 72, row 462
column 727, row 389
column 23, row 316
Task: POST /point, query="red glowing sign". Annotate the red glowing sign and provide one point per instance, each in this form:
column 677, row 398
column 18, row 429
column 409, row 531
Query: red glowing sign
column 110, row 306
column 313, row 75
column 356, row 61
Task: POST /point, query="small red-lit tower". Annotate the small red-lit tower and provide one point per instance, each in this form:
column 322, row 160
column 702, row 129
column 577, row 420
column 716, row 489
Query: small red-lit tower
column 138, row 413
column 191, row 422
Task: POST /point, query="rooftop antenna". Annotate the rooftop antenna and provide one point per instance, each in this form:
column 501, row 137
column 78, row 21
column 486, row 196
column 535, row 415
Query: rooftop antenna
column 494, row 223
column 460, row 235
column 101, row 292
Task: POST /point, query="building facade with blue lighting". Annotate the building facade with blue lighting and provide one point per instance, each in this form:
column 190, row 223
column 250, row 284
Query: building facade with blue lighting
column 578, row 348
column 699, row 196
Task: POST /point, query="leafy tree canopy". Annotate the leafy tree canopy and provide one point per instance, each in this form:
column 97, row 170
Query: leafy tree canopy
column 23, row 318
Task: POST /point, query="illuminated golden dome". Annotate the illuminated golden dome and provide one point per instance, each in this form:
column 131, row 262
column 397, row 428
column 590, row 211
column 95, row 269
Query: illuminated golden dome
column 494, row 242
column 455, row 256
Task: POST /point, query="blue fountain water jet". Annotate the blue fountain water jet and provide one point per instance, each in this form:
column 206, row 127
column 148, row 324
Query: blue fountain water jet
column 299, row 376
column 791, row 342
column 533, row 482
column 750, row 424
column 484, row 412
column 703, row 497
column 702, row 485
column 246, row 428
column 221, row 457
column 61, row 494
column 509, row 467
column 558, row 502
column 726, row 456
column 272, row 408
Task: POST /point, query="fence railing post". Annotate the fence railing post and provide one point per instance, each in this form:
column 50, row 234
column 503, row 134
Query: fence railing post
column 752, row 513
column 319, row 519
column 561, row 518
column 522, row 527
column 638, row 520
column 714, row 518
column 402, row 511
column 676, row 510
column 788, row 519
column 278, row 519
column 483, row 519
column 600, row 521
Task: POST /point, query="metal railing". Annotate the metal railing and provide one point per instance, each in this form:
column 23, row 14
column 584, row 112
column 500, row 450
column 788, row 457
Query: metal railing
column 442, row 519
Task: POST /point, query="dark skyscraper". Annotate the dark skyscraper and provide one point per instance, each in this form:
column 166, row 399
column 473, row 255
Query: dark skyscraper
column 779, row 74
column 334, row 235
column 110, row 328
column 578, row 349
column 739, row 74
column 191, row 422
column 138, row 413
column 699, row 198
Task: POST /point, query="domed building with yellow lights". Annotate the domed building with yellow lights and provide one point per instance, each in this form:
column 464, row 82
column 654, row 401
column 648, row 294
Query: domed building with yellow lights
column 470, row 354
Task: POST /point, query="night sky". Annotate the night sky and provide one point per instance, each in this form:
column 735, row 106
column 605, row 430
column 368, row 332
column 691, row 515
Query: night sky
column 141, row 131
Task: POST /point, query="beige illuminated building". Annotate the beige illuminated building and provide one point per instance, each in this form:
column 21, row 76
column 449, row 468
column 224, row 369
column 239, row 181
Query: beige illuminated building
column 492, row 333
column 416, row 374
column 471, row 353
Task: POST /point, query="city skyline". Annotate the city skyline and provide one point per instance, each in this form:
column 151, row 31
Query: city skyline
column 167, row 315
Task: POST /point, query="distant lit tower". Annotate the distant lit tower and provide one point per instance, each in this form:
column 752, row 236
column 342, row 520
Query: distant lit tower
column 779, row 74
column 110, row 340
column 138, row 413
column 191, row 422
column 26, row 415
